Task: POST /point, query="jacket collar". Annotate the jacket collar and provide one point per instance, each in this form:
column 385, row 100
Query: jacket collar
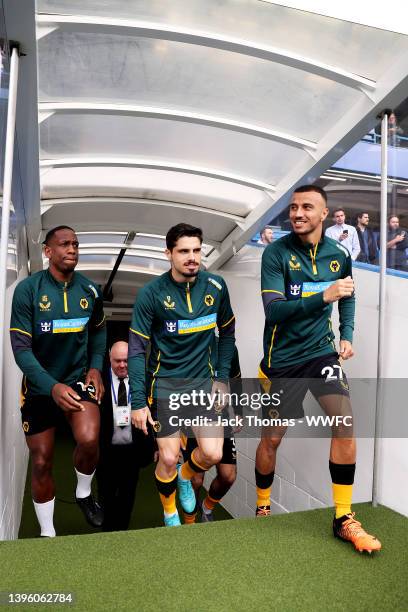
column 52, row 279
column 306, row 246
column 184, row 283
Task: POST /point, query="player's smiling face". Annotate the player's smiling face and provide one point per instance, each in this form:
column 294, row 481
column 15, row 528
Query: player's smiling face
column 306, row 213
column 185, row 258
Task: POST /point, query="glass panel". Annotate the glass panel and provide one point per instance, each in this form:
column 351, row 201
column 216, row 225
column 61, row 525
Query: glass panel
column 357, row 195
column 72, row 135
column 16, row 251
column 359, row 49
column 397, row 254
column 361, row 167
column 123, row 69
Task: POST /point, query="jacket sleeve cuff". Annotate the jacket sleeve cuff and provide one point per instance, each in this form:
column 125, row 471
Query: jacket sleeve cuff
column 48, row 384
column 347, row 334
column 314, row 302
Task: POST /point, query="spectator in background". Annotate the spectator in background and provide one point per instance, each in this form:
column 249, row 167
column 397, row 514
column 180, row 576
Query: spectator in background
column 123, row 448
column 343, row 233
column 367, row 239
column 397, row 242
column 266, row 236
column 394, row 130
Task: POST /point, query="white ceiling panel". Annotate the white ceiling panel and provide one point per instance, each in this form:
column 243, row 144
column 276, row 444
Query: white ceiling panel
column 63, row 135
column 113, row 67
column 177, row 187
column 135, row 216
column 356, row 48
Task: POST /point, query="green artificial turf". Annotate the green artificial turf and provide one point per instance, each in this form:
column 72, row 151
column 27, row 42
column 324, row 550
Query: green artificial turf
column 286, row 562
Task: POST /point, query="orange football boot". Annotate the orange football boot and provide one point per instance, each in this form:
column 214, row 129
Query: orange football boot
column 348, row 529
column 263, row 511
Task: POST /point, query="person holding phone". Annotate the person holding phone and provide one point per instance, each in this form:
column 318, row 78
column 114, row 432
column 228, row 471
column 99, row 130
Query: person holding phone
column 397, row 243
column 343, row 233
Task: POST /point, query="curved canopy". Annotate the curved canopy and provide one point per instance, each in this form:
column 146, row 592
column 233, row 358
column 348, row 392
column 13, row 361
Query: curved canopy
column 201, row 111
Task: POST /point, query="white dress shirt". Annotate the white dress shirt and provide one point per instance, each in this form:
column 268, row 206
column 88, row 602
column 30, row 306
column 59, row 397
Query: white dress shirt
column 121, row 435
column 351, row 243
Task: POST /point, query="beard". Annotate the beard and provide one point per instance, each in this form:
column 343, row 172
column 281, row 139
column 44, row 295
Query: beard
column 186, row 272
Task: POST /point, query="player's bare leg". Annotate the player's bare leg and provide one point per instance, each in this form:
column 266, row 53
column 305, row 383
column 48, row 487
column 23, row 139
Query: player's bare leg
column 205, row 455
column 166, row 477
column 226, row 476
column 342, row 466
column 265, row 463
column 41, row 447
column 85, row 429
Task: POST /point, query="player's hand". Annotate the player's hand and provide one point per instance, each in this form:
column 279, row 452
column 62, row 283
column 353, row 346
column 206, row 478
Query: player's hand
column 346, row 350
column 343, row 287
column 140, row 418
column 66, row 398
column 219, row 390
column 94, row 378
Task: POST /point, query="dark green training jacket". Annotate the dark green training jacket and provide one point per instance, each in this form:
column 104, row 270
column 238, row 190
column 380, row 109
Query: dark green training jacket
column 57, row 330
column 179, row 319
column 297, row 320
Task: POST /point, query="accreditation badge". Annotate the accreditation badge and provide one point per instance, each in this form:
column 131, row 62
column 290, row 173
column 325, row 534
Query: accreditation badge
column 121, row 415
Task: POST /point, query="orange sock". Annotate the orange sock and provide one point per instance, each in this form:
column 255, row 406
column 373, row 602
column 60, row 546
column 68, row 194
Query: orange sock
column 167, row 492
column 210, row 502
column 189, row 519
column 342, row 495
column 263, row 496
column 186, row 471
column 169, row 503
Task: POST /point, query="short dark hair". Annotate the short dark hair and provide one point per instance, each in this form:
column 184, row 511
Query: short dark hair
column 316, row 188
column 180, row 230
column 53, row 231
column 393, row 217
column 363, row 212
column 338, row 210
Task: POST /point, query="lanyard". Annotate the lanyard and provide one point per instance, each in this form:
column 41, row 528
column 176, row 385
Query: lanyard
column 115, row 399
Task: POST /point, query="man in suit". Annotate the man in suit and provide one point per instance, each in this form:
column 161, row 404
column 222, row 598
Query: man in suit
column 123, row 448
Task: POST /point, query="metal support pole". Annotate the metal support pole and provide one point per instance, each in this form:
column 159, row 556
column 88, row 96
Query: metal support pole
column 7, row 184
column 382, row 306
column 107, row 290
